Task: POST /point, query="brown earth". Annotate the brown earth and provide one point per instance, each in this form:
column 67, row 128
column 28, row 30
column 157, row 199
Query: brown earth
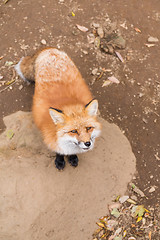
column 133, row 104
column 39, row 202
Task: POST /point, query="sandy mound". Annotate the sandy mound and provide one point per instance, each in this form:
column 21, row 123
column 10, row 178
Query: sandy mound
column 39, row 202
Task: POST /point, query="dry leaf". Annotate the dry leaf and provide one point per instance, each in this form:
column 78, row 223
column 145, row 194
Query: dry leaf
column 82, row 28
column 73, row 14
column 10, row 133
column 139, row 219
column 115, row 213
column 119, row 56
column 8, row 63
column 150, row 45
column 123, row 199
column 137, row 30
column 131, row 201
column 150, row 235
column 113, row 79
column 124, row 233
column 101, row 225
column 10, row 82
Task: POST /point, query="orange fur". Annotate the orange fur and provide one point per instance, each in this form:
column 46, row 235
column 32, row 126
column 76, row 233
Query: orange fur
column 58, row 84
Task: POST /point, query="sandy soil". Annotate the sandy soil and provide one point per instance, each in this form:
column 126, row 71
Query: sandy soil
column 39, row 202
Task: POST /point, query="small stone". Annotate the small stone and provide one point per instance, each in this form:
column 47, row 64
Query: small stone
column 141, row 95
column 134, row 197
column 100, row 32
column 123, row 199
column 152, row 189
column 95, row 25
column 94, row 71
column 153, row 40
column 118, row 231
column 144, row 120
column 43, row 41
column 90, row 38
column 20, row 87
column 85, row 52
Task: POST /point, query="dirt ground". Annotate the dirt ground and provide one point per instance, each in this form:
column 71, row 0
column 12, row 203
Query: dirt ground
column 133, row 104
column 39, row 202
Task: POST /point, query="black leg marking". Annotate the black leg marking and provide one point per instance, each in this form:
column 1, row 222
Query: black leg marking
column 73, row 160
column 59, row 161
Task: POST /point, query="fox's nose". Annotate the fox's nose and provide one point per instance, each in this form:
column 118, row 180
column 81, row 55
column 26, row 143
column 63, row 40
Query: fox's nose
column 87, row 144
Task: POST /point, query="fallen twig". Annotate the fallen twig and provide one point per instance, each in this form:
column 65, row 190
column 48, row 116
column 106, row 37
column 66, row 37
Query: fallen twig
column 11, row 82
column 6, row 1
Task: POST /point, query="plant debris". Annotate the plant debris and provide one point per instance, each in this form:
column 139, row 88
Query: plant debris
column 111, row 42
column 10, row 134
column 137, row 30
column 82, row 28
column 137, row 190
column 127, row 221
column 8, row 63
column 153, row 40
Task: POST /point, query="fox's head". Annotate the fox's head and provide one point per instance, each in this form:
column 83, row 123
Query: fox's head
column 77, row 127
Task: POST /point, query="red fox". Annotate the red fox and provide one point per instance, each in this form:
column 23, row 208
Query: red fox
column 63, row 107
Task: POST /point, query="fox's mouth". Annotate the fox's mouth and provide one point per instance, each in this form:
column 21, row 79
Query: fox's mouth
column 85, row 148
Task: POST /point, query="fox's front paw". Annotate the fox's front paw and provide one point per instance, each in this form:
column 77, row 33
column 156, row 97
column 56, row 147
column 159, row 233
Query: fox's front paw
column 73, row 160
column 59, row 162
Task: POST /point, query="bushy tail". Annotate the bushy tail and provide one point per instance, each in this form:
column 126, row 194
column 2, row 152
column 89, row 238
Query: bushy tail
column 25, row 68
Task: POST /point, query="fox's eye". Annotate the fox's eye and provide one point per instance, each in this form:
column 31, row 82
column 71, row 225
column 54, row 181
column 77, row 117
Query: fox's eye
column 88, row 128
column 74, row 131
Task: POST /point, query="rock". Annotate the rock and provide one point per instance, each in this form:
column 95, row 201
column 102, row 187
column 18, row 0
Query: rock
column 97, row 42
column 100, row 32
column 152, row 189
column 94, row 71
column 20, row 87
column 91, row 38
column 153, row 40
column 120, row 42
column 43, row 41
column 95, row 25
column 123, row 199
column 85, row 52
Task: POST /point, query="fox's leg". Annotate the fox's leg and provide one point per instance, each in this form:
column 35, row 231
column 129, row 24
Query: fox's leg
column 59, row 161
column 73, row 160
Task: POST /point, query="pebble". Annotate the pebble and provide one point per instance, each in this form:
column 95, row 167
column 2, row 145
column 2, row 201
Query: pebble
column 134, row 197
column 100, row 32
column 90, row 38
column 94, row 71
column 20, row 87
column 153, row 40
column 85, row 52
column 95, row 25
column 123, row 199
column 43, row 41
column 152, row 189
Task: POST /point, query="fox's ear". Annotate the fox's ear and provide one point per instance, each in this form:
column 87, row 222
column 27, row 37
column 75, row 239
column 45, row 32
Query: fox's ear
column 92, row 107
column 56, row 115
